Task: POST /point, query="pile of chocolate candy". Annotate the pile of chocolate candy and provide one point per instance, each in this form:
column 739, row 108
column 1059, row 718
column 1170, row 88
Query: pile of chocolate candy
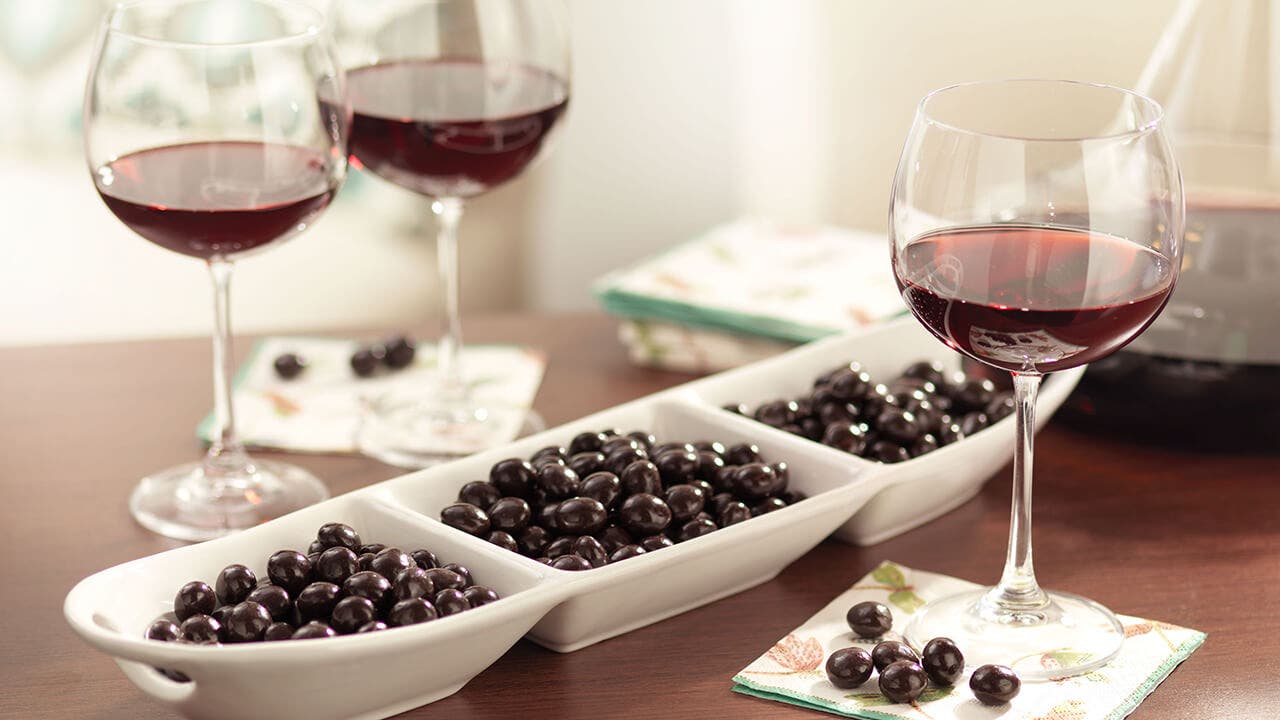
column 340, row 586
column 394, row 353
column 904, row 675
column 920, row 411
column 608, row 497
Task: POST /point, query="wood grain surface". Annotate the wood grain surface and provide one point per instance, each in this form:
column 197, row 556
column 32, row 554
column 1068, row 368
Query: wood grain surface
column 1189, row 539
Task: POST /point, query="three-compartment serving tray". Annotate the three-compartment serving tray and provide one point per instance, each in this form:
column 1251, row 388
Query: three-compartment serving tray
column 379, row 674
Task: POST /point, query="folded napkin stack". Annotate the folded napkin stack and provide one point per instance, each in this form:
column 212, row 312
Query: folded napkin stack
column 748, row 290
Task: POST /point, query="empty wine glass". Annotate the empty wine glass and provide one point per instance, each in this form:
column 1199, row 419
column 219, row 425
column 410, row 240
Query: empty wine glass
column 216, row 128
column 451, row 99
column 1035, row 226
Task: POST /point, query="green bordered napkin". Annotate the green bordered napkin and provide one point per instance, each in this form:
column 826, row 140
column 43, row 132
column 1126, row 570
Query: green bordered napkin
column 792, row 670
column 320, row 410
column 686, row 349
column 786, row 283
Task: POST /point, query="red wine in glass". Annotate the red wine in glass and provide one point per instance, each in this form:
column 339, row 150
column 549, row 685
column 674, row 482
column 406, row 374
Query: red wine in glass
column 451, row 128
column 450, row 99
column 1019, row 297
column 217, row 199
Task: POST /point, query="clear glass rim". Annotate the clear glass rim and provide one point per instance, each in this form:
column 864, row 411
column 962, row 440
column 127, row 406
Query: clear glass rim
column 317, row 24
column 1152, row 123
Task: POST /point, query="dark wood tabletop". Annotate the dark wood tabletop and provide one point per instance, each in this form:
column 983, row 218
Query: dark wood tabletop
column 1185, row 538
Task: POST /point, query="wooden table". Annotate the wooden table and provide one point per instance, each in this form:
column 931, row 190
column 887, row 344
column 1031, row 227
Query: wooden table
column 1190, row 539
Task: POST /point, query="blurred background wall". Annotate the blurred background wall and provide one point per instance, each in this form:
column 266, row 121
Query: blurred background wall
column 683, row 114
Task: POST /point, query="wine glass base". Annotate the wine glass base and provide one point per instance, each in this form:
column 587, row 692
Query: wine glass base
column 418, row 433
column 1071, row 636
column 188, row 503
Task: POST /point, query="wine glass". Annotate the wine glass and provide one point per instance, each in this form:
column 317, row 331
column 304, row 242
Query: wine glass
column 1035, row 226
column 451, row 98
column 216, row 128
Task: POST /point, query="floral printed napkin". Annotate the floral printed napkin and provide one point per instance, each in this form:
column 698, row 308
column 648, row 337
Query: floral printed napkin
column 792, row 670
column 666, row 345
column 787, row 283
column 320, row 410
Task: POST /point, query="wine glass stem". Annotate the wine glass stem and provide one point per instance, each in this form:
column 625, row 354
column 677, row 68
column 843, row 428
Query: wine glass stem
column 448, row 212
column 226, row 454
column 1018, row 589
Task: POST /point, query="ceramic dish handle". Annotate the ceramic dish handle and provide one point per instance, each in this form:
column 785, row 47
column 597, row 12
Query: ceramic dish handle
column 138, row 660
column 149, row 680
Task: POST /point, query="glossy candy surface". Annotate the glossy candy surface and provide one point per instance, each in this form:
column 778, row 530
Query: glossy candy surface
column 869, row 619
column 942, row 661
column 903, row 681
column 912, row 415
column 849, row 667
column 305, row 599
column 994, row 684
column 606, row 491
column 891, row 651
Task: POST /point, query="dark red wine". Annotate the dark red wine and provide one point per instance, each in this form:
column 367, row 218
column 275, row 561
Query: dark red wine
column 1032, row 297
column 451, row 128
column 1206, row 374
column 217, row 199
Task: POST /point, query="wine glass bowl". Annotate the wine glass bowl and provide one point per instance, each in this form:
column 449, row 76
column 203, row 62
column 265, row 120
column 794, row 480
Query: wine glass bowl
column 215, row 129
column 1096, row 292
column 450, row 99
column 1035, row 226
column 451, row 128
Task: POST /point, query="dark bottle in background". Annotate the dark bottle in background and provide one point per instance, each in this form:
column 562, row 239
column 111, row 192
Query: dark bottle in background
column 1206, row 374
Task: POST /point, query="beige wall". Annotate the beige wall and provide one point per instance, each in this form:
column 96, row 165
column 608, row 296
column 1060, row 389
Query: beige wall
column 685, row 113
column 892, row 53
column 792, row 108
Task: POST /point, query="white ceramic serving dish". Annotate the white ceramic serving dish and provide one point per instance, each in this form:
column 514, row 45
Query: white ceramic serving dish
column 910, row 493
column 618, row 598
column 381, row 674
column 357, row 676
